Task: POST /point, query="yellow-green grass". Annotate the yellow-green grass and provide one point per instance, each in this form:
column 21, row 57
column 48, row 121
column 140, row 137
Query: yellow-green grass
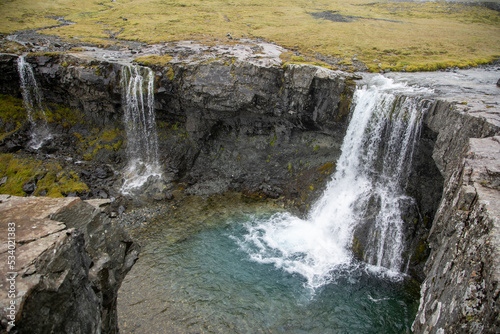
column 12, row 110
column 109, row 139
column 426, row 36
column 51, row 178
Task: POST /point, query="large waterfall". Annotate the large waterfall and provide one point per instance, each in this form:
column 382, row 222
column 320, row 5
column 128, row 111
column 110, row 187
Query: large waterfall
column 368, row 186
column 32, row 100
column 140, row 126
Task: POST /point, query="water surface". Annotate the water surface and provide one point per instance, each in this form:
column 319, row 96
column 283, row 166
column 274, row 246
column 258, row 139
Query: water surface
column 206, row 282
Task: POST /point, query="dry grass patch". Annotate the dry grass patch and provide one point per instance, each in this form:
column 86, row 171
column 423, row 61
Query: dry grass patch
column 395, row 35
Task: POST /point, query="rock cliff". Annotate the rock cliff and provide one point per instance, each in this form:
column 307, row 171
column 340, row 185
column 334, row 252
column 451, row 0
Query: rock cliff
column 70, row 260
column 217, row 119
column 237, row 119
column 461, row 289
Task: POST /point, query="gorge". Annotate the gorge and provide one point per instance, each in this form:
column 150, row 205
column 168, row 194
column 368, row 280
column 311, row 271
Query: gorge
column 235, row 119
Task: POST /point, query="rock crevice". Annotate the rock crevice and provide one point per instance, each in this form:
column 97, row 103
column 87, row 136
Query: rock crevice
column 70, row 260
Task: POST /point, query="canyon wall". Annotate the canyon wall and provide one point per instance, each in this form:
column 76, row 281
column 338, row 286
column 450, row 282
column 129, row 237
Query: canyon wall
column 461, row 289
column 70, row 260
column 267, row 131
column 276, row 131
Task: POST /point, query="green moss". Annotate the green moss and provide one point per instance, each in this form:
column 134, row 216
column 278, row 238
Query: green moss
column 170, row 74
column 65, row 116
column 273, row 141
column 49, row 176
column 12, row 111
column 326, row 168
column 357, row 248
column 154, row 60
column 110, row 139
column 421, row 252
column 345, row 100
column 289, row 58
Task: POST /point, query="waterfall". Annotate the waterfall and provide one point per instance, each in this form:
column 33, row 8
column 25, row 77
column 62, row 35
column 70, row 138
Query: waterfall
column 32, row 101
column 368, row 185
column 140, row 126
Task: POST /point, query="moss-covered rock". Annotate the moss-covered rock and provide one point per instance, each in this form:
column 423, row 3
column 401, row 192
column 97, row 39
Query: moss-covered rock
column 47, row 177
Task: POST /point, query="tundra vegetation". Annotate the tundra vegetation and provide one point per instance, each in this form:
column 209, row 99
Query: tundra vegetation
column 410, row 36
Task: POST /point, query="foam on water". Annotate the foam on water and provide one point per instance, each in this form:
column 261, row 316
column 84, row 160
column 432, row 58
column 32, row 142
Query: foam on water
column 374, row 165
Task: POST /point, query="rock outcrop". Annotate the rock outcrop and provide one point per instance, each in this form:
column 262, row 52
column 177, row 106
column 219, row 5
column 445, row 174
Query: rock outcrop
column 462, row 285
column 66, row 267
column 217, row 120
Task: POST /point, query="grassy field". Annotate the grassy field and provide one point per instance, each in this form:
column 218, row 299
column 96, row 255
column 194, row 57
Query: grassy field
column 396, row 35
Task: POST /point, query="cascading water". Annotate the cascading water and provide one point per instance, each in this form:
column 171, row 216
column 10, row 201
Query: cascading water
column 253, row 270
column 140, row 126
column 32, row 100
column 369, row 180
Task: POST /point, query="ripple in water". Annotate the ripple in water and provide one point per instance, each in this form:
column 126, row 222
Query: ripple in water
column 277, row 273
column 205, row 282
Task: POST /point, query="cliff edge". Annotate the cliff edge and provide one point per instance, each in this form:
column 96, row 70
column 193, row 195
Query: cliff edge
column 64, row 261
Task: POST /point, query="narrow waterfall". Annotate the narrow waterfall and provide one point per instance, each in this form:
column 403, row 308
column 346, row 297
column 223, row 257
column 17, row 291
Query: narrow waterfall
column 32, row 100
column 368, row 184
column 140, row 126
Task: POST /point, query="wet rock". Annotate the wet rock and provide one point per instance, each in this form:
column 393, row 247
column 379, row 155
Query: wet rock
column 29, row 188
column 100, row 173
column 102, row 194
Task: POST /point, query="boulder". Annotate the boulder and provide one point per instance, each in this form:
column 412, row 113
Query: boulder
column 67, row 261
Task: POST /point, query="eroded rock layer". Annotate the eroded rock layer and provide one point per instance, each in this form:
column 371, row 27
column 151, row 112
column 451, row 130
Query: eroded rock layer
column 70, row 260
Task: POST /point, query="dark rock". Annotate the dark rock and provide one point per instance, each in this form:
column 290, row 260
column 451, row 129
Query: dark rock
column 29, row 188
column 85, row 173
column 100, row 173
column 71, row 261
column 102, row 194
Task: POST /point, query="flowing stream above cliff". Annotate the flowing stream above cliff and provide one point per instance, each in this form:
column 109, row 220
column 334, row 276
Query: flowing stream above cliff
column 367, row 188
column 32, row 100
column 140, row 126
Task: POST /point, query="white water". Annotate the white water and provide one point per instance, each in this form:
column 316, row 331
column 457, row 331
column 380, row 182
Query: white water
column 32, row 101
column 373, row 168
column 140, row 126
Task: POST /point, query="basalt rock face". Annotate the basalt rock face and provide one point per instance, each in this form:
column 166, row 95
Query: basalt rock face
column 462, row 285
column 268, row 131
column 253, row 129
column 70, row 261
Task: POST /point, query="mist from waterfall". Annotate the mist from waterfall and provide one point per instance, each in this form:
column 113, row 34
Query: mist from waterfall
column 140, row 126
column 32, row 101
column 368, row 185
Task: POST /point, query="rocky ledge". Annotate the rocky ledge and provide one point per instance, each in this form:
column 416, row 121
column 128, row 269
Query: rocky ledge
column 64, row 261
column 460, row 293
